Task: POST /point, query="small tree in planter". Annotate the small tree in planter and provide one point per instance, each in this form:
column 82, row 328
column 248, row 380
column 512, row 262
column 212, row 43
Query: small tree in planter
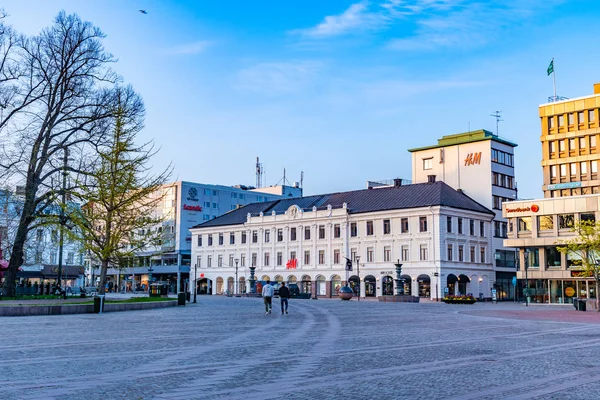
column 586, row 246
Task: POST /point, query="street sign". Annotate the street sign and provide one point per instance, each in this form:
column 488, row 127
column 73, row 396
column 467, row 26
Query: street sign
column 445, row 290
column 493, row 294
column 514, row 281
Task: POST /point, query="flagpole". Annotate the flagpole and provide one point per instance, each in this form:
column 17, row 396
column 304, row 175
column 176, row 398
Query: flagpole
column 554, row 78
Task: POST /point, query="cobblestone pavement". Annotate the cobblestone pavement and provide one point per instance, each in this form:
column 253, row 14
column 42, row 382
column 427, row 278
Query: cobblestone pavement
column 226, row 348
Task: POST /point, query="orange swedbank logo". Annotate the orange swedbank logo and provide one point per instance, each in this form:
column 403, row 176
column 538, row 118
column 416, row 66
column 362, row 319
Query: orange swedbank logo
column 534, row 208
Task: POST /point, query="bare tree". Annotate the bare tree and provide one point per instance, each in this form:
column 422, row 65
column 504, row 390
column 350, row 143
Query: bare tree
column 60, row 104
column 120, row 197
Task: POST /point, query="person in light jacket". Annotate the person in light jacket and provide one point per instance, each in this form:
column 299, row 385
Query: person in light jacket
column 267, row 293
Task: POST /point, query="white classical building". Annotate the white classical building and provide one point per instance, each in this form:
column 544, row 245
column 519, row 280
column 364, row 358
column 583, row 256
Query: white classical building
column 307, row 241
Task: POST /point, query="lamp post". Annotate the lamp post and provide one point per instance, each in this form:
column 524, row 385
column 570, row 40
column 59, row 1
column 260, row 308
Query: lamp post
column 195, row 281
column 237, row 282
column 526, row 261
column 62, row 220
column 150, row 270
column 357, row 258
column 437, row 279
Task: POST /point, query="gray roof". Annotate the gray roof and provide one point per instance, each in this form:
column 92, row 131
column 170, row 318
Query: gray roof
column 361, row 201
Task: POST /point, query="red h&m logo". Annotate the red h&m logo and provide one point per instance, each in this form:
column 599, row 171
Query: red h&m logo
column 291, row 264
column 472, row 159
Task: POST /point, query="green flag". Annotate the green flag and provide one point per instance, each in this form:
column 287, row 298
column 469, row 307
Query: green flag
column 551, row 67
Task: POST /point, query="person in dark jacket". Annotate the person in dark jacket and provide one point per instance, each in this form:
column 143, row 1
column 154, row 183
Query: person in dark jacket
column 284, row 295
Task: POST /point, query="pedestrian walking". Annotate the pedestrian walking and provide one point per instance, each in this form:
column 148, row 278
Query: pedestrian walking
column 284, row 295
column 267, row 293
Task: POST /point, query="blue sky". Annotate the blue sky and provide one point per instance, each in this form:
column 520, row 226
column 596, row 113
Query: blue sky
column 337, row 89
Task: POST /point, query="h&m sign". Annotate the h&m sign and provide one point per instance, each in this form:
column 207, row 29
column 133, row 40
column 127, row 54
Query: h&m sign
column 472, row 159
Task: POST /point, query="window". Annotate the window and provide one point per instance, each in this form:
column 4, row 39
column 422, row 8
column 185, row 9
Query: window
column 461, row 251
column 404, row 253
column 220, row 261
column 561, row 145
column 215, row 205
column 337, row 231
column 353, row 229
column 254, row 257
column 214, row 192
column 505, row 258
column 234, row 195
column 254, row 236
column 231, row 260
column 594, row 166
column 553, row 171
column 449, row 252
column 552, row 257
column 321, row 257
column 220, row 239
column 481, row 228
column 482, row 255
column 551, row 122
column 591, row 116
column 460, row 226
column 404, row 225
column 422, row 224
column 573, row 168
column 588, row 217
column 210, row 240
column 571, row 117
column 353, row 254
column 387, row 227
column 553, row 147
column 321, row 231
column 336, row 256
column 232, row 238
column 243, row 237
column 449, row 224
column 583, row 167
column 307, row 233
column 199, row 240
column 423, row 252
column 580, row 117
column 387, row 253
column 267, row 259
column 306, row 257
column 472, row 254
column 279, row 259
column 207, row 192
column 427, row 163
column 209, row 261
column 563, row 170
column 566, row 221
column 207, row 204
column 280, row 235
column 292, row 234
column 593, row 141
column 471, row 227
column 292, row 255
column 243, row 260
column 267, row 235
column 561, row 120
column 524, row 224
column 370, row 254
column 369, row 228
column 545, row 222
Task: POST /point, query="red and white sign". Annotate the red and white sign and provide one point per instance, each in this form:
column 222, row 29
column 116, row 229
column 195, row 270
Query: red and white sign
column 533, row 208
column 192, row 208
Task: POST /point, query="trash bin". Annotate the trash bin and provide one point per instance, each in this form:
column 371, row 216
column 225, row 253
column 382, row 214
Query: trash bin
column 181, row 299
column 187, row 296
column 98, row 304
column 582, row 304
column 576, row 303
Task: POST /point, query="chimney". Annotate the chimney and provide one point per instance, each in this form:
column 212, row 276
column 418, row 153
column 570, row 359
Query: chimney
column 596, row 88
column 430, row 178
column 397, row 182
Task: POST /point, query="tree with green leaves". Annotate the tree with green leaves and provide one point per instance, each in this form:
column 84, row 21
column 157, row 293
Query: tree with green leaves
column 120, row 199
column 586, row 246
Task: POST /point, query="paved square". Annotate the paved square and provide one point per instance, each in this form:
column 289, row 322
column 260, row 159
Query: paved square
column 226, row 348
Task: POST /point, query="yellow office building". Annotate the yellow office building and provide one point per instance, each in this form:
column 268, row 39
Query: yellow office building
column 570, row 154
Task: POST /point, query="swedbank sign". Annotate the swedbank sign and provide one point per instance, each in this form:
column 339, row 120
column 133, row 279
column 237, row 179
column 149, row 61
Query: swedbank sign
column 533, row 208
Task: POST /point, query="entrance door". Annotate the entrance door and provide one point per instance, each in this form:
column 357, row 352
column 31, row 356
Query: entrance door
column 387, row 286
column 370, row 286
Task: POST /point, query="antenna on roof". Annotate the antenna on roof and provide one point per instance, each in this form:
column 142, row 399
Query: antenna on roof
column 259, row 173
column 497, row 115
column 301, row 179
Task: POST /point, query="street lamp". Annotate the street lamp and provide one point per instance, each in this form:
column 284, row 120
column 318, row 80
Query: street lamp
column 526, row 260
column 357, row 258
column 237, row 282
column 195, row 281
column 150, row 271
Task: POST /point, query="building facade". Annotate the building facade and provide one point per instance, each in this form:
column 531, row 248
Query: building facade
column 184, row 205
column 570, row 155
column 308, row 241
column 537, row 228
column 481, row 164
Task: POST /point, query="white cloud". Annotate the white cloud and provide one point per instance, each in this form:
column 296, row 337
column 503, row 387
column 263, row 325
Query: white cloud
column 276, row 78
column 191, row 48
